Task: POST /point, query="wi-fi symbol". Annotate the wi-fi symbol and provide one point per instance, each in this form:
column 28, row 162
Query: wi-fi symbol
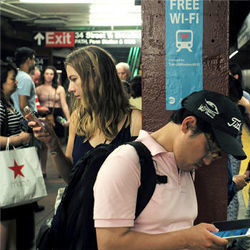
column 184, row 36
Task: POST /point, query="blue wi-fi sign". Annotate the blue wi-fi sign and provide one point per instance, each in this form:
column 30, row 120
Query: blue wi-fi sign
column 184, row 35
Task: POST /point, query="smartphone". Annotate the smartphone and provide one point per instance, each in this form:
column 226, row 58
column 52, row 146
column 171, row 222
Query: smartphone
column 233, row 234
column 233, row 229
column 32, row 117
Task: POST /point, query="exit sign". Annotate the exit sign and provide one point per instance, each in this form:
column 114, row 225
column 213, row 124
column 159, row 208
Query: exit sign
column 59, row 39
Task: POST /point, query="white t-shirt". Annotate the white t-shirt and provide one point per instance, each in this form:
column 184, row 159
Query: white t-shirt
column 173, row 205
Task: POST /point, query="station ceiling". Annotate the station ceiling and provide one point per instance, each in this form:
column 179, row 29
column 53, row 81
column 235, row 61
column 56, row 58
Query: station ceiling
column 90, row 14
column 104, row 15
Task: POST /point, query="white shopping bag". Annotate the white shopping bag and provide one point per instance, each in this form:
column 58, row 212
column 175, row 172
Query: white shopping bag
column 21, row 177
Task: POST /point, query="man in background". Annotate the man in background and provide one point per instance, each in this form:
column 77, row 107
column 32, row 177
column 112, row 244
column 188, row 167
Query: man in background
column 25, row 94
column 123, row 71
column 35, row 75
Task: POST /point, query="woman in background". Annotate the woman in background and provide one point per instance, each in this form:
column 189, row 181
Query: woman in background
column 52, row 96
column 17, row 228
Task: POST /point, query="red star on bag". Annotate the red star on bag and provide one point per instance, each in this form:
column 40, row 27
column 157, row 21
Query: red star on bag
column 17, row 169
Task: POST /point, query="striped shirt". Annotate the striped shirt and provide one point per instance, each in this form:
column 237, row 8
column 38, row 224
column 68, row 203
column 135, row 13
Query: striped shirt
column 14, row 120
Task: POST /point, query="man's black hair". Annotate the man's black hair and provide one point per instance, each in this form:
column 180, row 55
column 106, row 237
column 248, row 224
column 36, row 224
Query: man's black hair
column 5, row 68
column 22, row 54
column 236, row 70
column 235, row 91
column 201, row 126
column 126, row 86
column 135, row 86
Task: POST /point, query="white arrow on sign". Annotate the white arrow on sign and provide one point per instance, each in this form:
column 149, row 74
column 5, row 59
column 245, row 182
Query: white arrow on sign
column 39, row 37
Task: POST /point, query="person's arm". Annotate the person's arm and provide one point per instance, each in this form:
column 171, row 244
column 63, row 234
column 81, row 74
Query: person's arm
column 64, row 104
column 247, row 173
column 23, row 102
column 136, row 122
column 196, row 237
column 24, row 91
column 20, row 139
column 62, row 162
column 244, row 102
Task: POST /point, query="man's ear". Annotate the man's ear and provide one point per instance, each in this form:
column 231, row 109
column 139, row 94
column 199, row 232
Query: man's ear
column 28, row 60
column 236, row 76
column 188, row 123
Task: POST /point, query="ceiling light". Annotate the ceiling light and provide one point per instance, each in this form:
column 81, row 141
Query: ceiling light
column 54, row 1
column 116, row 8
column 233, row 54
column 111, row 2
column 115, row 20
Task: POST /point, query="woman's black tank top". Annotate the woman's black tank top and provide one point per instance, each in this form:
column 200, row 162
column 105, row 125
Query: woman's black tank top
column 81, row 148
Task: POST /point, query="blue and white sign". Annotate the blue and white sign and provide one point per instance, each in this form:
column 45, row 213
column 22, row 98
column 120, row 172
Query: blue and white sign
column 184, row 34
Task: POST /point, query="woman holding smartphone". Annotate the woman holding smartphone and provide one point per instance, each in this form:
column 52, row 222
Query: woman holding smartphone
column 102, row 112
column 17, row 227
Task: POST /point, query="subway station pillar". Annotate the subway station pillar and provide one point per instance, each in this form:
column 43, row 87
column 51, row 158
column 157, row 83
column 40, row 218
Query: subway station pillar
column 210, row 181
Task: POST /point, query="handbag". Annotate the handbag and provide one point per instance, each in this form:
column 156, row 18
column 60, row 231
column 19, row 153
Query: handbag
column 50, row 117
column 21, row 177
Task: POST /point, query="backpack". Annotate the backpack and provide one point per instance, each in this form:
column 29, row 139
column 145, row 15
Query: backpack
column 72, row 227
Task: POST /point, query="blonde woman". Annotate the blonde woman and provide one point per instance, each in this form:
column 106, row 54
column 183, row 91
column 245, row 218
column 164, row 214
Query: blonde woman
column 102, row 114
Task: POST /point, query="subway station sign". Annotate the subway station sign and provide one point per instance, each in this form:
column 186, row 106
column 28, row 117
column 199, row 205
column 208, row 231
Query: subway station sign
column 131, row 38
column 184, row 35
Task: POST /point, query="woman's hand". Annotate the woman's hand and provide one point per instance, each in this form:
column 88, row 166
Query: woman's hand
column 65, row 124
column 43, row 132
column 24, row 137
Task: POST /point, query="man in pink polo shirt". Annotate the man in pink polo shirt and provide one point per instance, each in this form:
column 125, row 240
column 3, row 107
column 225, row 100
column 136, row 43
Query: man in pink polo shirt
column 207, row 123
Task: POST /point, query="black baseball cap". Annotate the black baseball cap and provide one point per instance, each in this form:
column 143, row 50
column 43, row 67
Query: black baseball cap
column 223, row 115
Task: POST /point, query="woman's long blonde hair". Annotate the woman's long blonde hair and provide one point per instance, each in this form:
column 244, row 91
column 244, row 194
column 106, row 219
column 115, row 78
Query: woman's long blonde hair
column 104, row 101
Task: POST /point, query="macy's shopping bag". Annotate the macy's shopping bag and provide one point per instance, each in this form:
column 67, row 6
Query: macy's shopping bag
column 21, row 177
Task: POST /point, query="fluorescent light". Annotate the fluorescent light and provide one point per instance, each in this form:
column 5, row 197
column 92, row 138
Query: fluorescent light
column 55, row 1
column 80, row 1
column 115, row 20
column 112, row 9
column 233, row 54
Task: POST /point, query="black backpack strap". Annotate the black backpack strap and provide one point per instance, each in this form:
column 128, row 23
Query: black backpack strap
column 148, row 176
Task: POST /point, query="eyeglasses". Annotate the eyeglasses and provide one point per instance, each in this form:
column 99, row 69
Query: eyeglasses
column 214, row 151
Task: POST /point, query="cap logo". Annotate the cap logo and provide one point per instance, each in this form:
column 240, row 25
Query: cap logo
column 236, row 123
column 209, row 108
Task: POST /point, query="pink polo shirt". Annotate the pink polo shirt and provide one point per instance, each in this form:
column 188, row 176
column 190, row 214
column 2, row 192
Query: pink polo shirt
column 173, row 205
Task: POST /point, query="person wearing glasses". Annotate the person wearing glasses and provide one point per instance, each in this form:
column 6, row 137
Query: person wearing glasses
column 195, row 135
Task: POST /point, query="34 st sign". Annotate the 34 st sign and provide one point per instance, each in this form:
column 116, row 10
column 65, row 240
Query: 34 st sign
column 122, row 38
